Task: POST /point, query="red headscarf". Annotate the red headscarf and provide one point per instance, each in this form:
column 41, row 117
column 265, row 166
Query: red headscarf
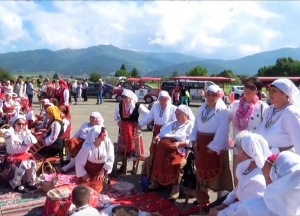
column 62, row 82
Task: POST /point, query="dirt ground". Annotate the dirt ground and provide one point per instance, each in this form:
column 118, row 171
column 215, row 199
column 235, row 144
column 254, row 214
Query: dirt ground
column 80, row 114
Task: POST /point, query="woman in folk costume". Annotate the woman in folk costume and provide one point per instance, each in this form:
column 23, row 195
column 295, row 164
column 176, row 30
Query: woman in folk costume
column 51, row 143
column 170, row 151
column 27, row 110
column 210, row 139
column 63, row 93
column 18, row 140
column 41, row 126
column 281, row 122
column 162, row 112
column 281, row 198
column 75, row 143
column 66, row 119
column 247, row 113
column 95, row 159
column 8, row 108
column 251, row 181
column 127, row 115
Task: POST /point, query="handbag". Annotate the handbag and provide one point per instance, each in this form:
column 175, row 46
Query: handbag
column 187, row 94
column 48, row 180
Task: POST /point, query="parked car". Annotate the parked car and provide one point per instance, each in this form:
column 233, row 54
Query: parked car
column 169, row 85
column 118, row 90
column 238, row 91
column 108, row 90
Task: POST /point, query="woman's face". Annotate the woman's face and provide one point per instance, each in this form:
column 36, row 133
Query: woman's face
column 276, row 96
column 19, row 124
column 49, row 116
column 93, row 120
column 181, row 116
column 211, row 98
column 100, row 138
column 163, row 101
column 126, row 100
column 266, row 172
column 250, row 90
column 241, row 154
column 7, row 97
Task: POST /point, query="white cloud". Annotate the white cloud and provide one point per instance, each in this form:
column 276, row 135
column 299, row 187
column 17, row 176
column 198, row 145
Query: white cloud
column 215, row 29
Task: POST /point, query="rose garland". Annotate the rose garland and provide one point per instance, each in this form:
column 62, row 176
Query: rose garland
column 243, row 115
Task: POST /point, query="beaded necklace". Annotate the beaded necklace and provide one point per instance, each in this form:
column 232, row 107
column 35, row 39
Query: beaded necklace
column 205, row 116
column 270, row 121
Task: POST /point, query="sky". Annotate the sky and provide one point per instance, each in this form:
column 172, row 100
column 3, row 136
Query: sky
column 207, row 29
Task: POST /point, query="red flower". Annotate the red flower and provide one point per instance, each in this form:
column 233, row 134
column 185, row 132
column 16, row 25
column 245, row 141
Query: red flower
column 272, row 158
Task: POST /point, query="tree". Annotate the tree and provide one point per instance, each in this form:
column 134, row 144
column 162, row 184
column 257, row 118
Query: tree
column 55, row 76
column 72, row 77
column 95, row 76
column 123, row 67
column 174, row 74
column 5, row 74
column 134, row 73
column 41, row 76
column 197, row 71
column 121, row 73
column 227, row 73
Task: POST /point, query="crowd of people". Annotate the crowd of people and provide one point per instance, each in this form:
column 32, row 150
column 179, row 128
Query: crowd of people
column 265, row 173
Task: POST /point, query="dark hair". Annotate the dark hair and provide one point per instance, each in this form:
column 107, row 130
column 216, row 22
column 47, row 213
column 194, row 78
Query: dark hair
column 258, row 84
column 81, row 195
column 21, row 77
column 54, row 101
column 65, row 110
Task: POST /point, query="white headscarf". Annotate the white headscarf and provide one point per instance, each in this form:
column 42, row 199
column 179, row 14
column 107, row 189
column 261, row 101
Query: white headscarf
column 93, row 133
column 15, row 118
column 99, row 117
column 282, row 195
column 163, row 93
column 216, row 89
column 187, row 111
column 289, row 88
column 256, row 147
column 132, row 96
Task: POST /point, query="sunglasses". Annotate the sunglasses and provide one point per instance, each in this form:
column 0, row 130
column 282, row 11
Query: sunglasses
column 20, row 124
column 252, row 88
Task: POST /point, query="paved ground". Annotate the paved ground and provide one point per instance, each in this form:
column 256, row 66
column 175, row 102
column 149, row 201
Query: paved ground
column 80, row 114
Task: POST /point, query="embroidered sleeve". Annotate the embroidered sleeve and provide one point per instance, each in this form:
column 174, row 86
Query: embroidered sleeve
column 81, row 160
column 110, row 156
column 55, row 130
column 188, row 134
column 29, row 139
column 117, row 114
column 148, row 117
column 143, row 110
column 195, row 128
column 220, row 141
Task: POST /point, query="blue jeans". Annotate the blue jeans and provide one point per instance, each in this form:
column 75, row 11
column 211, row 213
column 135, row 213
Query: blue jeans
column 99, row 97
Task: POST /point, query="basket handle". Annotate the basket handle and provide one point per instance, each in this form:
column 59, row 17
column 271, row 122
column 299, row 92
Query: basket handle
column 4, row 126
column 48, row 165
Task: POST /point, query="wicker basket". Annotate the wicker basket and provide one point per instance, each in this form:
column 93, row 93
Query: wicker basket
column 3, row 127
column 48, row 185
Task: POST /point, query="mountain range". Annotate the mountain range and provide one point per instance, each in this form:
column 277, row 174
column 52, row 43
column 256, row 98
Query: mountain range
column 107, row 59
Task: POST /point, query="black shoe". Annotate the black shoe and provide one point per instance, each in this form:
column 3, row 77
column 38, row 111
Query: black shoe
column 31, row 187
column 121, row 169
column 20, row 189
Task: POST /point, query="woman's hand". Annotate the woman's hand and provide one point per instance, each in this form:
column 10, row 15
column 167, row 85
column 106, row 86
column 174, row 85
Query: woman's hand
column 156, row 139
column 86, row 178
column 213, row 212
column 176, row 145
column 101, row 175
column 119, row 123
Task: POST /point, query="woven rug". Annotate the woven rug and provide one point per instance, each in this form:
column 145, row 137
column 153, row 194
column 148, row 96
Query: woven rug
column 150, row 202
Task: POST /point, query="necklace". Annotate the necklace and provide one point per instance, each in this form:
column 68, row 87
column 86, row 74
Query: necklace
column 243, row 115
column 270, row 121
column 161, row 111
column 176, row 127
column 205, row 117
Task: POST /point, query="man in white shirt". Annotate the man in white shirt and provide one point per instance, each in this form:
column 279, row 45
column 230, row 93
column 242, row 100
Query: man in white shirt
column 85, row 86
column 80, row 198
column 20, row 87
column 8, row 87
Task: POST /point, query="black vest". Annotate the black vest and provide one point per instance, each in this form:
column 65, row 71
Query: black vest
column 61, row 129
column 134, row 116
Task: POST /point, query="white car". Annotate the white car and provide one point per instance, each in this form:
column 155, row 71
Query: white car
column 238, row 91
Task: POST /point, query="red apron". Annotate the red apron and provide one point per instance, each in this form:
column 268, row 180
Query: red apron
column 166, row 163
column 74, row 145
column 127, row 135
column 209, row 166
column 18, row 158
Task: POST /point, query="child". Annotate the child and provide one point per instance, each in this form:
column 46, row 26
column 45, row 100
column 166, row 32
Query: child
column 80, row 198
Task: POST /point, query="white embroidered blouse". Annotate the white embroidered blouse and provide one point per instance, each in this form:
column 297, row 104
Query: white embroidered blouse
column 55, row 130
column 89, row 152
column 180, row 132
column 18, row 142
column 217, row 124
column 83, row 130
column 160, row 117
column 256, row 117
column 142, row 110
column 283, row 130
